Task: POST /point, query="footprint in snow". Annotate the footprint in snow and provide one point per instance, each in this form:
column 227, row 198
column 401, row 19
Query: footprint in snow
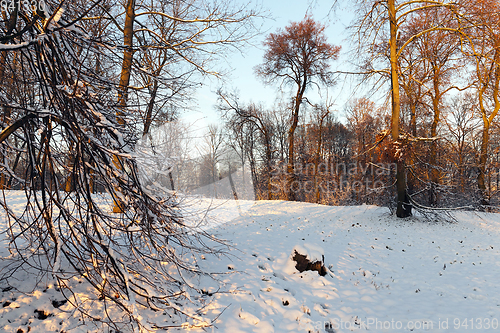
column 279, row 276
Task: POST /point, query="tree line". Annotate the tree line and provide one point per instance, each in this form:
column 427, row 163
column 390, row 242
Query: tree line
column 434, row 65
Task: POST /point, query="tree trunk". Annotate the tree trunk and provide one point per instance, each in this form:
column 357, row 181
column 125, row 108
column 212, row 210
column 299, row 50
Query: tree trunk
column 295, row 120
column 487, row 121
column 413, row 119
column 317, row 158
column 435, row 174
column 483, row 157
column 394, row 72
column 413, row 128
column 5, row 122
column 461, row 170
column 149, row 111
column 290, row 166
column 268, row 166
column 69, row 185
column 403, row 205
column 6, row 110
column 253, row 172
column 231, row 183
column 128, row 54
column 149, row 120
column 14, row 166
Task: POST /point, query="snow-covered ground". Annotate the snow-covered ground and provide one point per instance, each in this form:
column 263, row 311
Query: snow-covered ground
column 385, row 274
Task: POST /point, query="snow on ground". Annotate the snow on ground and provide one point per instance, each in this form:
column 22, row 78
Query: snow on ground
column 386, row 274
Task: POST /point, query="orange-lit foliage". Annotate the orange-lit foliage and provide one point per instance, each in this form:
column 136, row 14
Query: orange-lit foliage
column 298, row 54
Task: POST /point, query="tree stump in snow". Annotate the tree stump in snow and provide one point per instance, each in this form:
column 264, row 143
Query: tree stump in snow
column 304, row 264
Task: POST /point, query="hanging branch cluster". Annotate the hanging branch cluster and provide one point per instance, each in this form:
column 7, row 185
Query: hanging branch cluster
column 59, row 139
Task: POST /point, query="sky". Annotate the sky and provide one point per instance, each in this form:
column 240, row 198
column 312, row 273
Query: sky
column 243, row 79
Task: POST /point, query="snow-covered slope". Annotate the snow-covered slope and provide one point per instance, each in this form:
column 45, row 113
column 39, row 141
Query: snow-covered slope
column 385, row 274
column 388, row 274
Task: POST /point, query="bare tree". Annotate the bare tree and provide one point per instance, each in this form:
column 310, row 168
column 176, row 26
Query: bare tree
column 257, row 119
column 211, row 151
column 462, row 123
column 322, row 114
column 300, row 56
column 433, row 60
column 141, row 256
column 481, row 43
column 377, row 29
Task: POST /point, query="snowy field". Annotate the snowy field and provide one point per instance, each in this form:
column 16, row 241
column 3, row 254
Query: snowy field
column 385, row 274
